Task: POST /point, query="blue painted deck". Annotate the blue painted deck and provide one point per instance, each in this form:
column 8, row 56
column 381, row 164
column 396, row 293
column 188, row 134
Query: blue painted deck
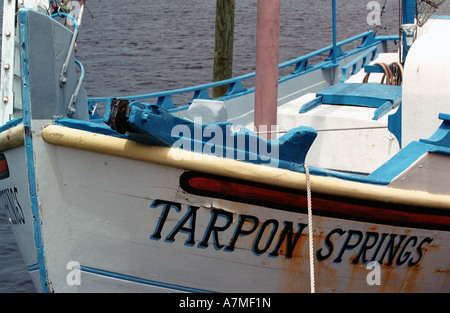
column 382, row 97
column 367, row 95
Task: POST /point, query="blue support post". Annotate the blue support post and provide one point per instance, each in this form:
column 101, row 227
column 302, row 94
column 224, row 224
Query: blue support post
column 409, row 11
column 334, row 34
column 409, row 15
column 336, row 51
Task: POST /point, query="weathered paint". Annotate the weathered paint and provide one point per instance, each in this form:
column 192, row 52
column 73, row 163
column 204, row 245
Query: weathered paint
column 106, row 210
column 12, row 138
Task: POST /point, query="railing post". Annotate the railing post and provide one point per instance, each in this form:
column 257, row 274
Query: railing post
column 334, row 33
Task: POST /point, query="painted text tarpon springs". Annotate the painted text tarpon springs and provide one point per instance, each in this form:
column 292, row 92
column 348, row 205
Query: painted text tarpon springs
column 274, row 238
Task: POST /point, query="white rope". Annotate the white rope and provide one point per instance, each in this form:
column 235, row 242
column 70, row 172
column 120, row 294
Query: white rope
column 310, row 230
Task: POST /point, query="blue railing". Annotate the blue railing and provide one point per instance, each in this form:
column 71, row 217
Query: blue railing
column 300, row 66
column 358, row 63
column 65, row 15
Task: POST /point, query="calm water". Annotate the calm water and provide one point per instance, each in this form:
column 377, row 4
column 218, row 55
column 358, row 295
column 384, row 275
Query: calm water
column 142, row 46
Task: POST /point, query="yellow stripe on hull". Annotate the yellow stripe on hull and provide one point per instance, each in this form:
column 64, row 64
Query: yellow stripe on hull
column 178, row 158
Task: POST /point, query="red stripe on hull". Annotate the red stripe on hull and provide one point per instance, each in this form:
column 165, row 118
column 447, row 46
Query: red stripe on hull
column 339, row 207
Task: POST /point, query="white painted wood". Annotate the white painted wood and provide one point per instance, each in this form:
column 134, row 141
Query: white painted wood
column 11, row 96
column 348, row 139
column 7, row 69
column 96, row 209
column 109, row 221
column 429, row 173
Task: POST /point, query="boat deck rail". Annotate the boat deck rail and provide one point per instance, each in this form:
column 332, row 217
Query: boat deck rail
column 301, row 65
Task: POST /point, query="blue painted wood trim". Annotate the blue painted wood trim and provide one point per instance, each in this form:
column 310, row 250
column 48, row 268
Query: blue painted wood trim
column 395, row 125
column 373, row 69
column 444, row 117
column 32, row 268
column 442, row 136
column 360, row 94
column 358, row 63
column 439, row 142
column 334, row 51
column 311, row 105
column 144, row 281
column 27, row 117
column 11, row 124
column 103, row 129
column 440, row 17
column 288, row 152
column 409, row 11
column 401, row 161
column 385, row 108
column 409, row 14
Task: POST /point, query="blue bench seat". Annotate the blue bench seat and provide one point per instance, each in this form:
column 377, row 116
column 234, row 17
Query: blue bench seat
column 382, row 97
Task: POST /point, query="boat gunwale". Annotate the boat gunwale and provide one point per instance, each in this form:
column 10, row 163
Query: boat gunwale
column 12, row 137
column 126, row 148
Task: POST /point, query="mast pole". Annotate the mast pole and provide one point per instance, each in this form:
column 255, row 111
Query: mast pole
column 267, row 58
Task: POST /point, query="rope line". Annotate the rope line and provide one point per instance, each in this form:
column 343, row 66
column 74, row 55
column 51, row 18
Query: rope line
column 310, row 229
column 393, row 74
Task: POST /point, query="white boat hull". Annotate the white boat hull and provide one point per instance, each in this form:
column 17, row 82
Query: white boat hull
column 95, row 211
column 135, row 226
column 15, row 200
